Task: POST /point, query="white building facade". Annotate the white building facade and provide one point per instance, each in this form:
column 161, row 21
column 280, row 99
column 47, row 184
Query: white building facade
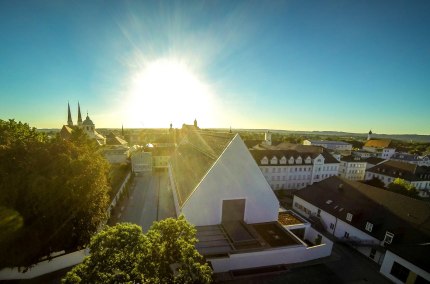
column 289, row 169
column 353, row 168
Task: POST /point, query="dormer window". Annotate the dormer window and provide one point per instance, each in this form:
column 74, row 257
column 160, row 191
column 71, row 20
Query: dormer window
column 308, row 160
column 283, row 161
column 291, row 161
column 274, row 161
column 388, row 237
column 264, row 161
column 299, row 160
column 369, row 227
column 349, row 217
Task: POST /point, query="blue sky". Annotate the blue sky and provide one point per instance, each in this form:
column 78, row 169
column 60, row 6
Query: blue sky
column 295, row 65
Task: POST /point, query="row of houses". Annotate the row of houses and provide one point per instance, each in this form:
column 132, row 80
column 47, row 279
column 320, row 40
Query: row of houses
column 291, row 166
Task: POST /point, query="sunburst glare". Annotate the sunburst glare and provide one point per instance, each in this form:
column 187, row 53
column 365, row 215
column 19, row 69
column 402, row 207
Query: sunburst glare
column 167, row 91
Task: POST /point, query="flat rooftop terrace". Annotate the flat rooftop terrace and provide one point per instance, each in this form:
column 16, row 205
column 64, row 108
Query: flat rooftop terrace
column 236, row 237
column 288, row 219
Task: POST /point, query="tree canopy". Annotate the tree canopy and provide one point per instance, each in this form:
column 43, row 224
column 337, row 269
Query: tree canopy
column 402, row 187
column 123, row 254
column 53, row 193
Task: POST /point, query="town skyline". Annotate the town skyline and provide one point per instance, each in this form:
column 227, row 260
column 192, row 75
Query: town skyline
column 283, row 65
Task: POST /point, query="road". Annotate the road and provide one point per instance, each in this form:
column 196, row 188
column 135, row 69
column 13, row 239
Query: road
column 150, row 200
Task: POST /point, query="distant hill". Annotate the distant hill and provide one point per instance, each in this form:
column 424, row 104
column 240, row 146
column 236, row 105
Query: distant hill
column 402, row 137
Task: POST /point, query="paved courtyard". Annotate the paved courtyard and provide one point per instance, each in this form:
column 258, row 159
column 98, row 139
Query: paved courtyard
column 150, row 200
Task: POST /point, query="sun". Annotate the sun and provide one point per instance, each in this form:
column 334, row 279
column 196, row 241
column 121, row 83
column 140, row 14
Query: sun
column 167, row 91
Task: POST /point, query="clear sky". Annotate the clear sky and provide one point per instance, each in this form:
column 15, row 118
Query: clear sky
column 294, row 65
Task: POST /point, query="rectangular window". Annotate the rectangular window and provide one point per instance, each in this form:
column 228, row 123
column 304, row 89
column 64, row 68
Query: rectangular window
column 388, row 237
column 369, row 227
column 399, row 271
column 349, row 217
column 346, row 235
column 372, row 253
column 331, row 226
column 319, row 211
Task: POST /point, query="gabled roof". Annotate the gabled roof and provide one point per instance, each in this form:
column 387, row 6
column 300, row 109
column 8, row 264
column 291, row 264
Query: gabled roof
column 66, row 132
column 374, row 160
column 378, row 143
column 406, row 157
column 112, row 139
column 407, row 218
column 353, row 159
column 397, row 169
column 193, row 158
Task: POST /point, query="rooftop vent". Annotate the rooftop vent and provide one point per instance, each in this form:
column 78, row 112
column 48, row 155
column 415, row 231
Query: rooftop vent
column 340, row 186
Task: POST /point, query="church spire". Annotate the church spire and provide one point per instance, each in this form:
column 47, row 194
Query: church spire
column 79, row 115
column 69, row 116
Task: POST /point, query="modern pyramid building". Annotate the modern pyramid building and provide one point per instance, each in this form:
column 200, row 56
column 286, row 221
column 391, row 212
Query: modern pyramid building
column 219, row 188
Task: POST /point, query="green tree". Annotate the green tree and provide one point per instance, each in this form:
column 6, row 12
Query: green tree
column 12, row 133
column 402, row 187
column 123, row 254
column 56, row 190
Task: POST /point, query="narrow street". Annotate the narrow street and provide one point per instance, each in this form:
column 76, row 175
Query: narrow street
column 150, row 200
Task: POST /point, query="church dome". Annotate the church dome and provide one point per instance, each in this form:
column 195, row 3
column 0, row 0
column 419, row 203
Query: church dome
column 88, row 121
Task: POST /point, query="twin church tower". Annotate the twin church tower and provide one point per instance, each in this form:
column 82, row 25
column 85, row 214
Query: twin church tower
column 87, row 126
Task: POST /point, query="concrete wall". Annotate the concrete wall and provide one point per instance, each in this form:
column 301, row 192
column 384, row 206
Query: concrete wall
column 287, row 255
column 44, row 267
column 118, row 195
column 235, row 175
column 387, row 264
column 339, row 226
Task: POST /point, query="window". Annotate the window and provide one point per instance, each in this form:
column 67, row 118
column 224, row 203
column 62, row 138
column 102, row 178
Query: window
column 372, row 253
column 399, row 271
column 388, row 237
column 349, row 217
column 264, row 161
column 331, row 226
column 273, row 170
column 346, row 235
column 369, row 227
column 319, row 211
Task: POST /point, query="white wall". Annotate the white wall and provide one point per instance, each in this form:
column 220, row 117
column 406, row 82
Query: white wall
column 235, row 175
column 340, row 227
column 286, row 255
column 387, row 264
column 44, row 267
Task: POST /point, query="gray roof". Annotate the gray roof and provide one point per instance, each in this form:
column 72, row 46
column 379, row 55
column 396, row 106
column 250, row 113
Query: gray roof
column 112, row 139
column 351, row 158
column 397, row 169
column 87, row 121
column 407, row 218
column 193, row 158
